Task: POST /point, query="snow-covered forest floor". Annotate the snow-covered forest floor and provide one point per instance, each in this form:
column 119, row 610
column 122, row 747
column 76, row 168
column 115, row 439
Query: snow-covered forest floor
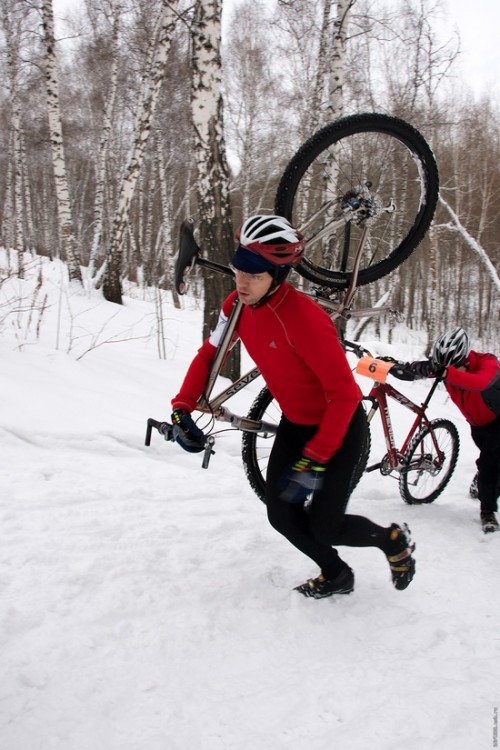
column 146, row 604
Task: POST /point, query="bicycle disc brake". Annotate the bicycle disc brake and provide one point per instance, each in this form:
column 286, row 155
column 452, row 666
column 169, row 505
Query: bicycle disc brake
column 360, row 203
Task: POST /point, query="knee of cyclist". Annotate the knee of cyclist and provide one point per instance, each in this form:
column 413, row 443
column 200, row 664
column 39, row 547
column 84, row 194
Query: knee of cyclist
column 486, row 465
column 280, row 514
column 273, row 512
column 323, row 532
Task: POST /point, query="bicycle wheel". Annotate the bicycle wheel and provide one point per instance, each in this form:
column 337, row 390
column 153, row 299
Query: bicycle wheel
column 364, row 454
column 255, row 448
column 376, row 169
column 429, row 462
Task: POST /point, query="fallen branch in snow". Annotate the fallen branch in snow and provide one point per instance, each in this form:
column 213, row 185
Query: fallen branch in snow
column 456, row 226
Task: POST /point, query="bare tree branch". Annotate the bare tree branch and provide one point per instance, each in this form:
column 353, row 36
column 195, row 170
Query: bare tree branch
column 456, row 226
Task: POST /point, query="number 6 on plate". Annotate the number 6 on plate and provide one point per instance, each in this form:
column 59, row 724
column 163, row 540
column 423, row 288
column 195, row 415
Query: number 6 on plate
column 376, row 369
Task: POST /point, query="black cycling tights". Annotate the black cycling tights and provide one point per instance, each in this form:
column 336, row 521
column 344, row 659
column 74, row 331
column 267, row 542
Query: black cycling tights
column 487, row 439
column 314, row 530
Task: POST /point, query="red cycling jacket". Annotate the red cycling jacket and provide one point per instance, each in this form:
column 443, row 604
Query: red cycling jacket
column 466, row 388
column 294, row 344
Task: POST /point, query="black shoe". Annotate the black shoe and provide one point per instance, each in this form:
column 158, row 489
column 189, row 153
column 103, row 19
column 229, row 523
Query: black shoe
column 473, row 489
column 489, row 521
column 400, row 558
column 320, row 587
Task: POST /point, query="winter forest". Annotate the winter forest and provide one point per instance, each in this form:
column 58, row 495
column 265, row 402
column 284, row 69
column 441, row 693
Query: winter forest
column 148, row 112
column 147, row 604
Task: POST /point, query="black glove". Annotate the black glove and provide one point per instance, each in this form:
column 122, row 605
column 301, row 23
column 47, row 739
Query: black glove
column 426, row 369
column 186, row 432
column 302, row 479
column 403, row 371
column 437, row 368
column 423, row 369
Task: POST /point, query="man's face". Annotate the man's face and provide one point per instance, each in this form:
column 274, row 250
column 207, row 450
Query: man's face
column 252, row 287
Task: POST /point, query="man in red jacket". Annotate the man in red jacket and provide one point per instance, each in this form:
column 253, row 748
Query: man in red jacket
column 472, row 380
column 319, row 447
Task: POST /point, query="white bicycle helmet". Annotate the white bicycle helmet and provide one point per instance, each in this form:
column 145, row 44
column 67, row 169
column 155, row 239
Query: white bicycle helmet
column 272, row 237
column 451, row 348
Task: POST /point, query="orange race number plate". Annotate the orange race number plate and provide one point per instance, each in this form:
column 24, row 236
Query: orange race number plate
column 376, row 369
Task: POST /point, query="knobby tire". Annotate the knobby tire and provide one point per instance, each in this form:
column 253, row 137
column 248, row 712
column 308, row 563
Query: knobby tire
column 255, row 448
column 332, row 171
column 419, row 486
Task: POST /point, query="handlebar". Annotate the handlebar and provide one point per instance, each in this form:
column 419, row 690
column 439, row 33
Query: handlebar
column 224, row 415
column 164, row 428
column 399, row 369
column 190, row 255
column 357, row 349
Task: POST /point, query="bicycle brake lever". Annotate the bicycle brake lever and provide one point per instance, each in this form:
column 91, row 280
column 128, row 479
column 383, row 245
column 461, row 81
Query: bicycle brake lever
column 167, row 431
column 208, row 452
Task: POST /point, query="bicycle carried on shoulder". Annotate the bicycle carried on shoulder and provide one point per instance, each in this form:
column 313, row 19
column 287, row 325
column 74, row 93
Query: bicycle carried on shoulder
column 363, row 191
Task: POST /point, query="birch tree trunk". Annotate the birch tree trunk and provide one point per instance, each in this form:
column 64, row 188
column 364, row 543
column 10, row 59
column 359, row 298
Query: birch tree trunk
column 117, row 10
column 167, row 252
column 337, row 60
column 323, row 65
column 70, row 253
column 15, row 190
column 335, row 103
column 210, row 153
column 335, row 107
column 112, row 287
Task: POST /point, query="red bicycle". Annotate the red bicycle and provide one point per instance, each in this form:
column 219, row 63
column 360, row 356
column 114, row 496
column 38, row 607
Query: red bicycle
column 423, row 463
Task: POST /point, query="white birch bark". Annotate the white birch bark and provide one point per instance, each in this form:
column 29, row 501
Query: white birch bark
column 117, row 10
column 335, row 104
column 18, row 184
column 216, row 231
column 335, row 107
column 207, row 111
column 16, row 188
column 161, row 46
column 337, row 64
column 323, row 66
column 210, row 151
column 164, row 242
column 29, row 231
column 57, row 145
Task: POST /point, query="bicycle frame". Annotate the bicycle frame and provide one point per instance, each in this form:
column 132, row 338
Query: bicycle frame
column 189, row 256
column 379, row 395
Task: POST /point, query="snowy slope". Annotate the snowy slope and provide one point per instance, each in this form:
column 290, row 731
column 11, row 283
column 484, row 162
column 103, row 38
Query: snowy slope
column 147, row 605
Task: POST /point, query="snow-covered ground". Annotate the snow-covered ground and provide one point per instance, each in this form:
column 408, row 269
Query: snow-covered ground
column 147, row 605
